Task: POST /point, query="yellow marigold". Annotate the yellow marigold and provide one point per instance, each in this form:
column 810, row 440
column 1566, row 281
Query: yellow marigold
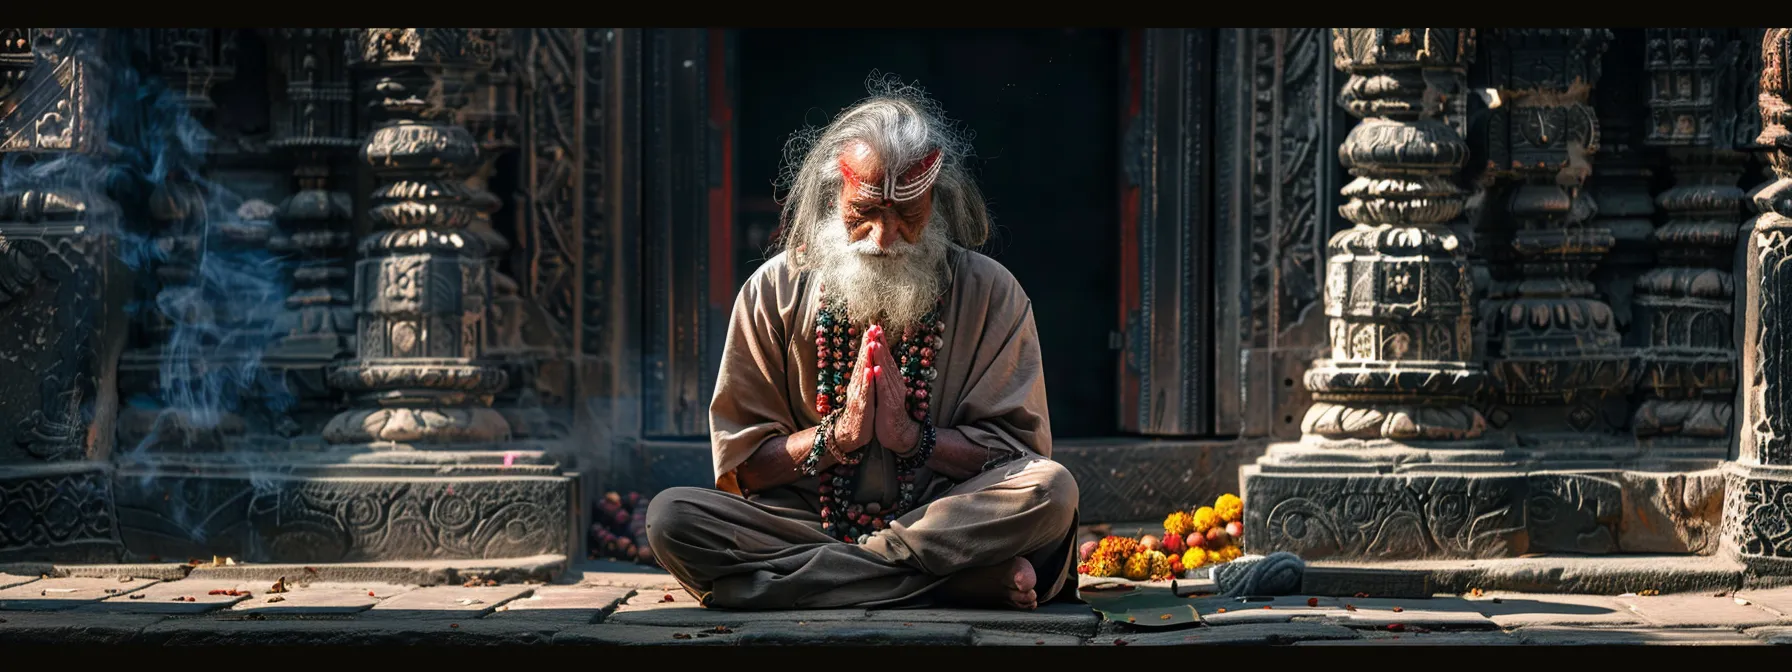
column 1101, row 566
column 1229, row 507
column 1229, row 553
column 1206, row 519
column 1195, row 558
column 1179, row 524
column 1138, row 567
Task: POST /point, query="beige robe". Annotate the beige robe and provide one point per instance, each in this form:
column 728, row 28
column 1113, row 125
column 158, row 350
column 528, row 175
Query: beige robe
column 766, row 549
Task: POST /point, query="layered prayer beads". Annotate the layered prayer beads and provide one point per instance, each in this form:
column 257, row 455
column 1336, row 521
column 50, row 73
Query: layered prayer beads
column 837, row 343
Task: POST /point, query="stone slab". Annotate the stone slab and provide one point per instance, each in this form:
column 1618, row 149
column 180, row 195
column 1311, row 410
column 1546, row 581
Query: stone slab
column 1778, row 635
column 859, row 633
column 1524, row 609
column 360, row 632
column 447, row 602
column 167, row 597
column 1251, row 634
column 1587, row 575
column 580, row 604
column 1777, row 600
column 1421, row 639
column 319, row 599
column 643, row 635
column 10, row 580
column 621, row 574
column 1349, row 581
column 1059, row 617
column 1569, row 636
column 162, row 571
column 1280, row 609
column 650, row 607
column 539, row 568
column 984, row 637
column 1695, row 611
column 1451, row 613
column 72, row 628
column 56, row 594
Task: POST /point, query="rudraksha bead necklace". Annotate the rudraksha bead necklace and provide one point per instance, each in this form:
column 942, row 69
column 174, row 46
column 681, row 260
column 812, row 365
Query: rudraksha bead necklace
column 837, row 342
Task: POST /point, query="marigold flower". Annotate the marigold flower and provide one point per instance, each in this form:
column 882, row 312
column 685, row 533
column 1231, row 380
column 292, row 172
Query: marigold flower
column 1195, row 558
column 1229, row 507
column 1179, row 524
column 1160, row 566
column 1138, row 567
column 1206, row 519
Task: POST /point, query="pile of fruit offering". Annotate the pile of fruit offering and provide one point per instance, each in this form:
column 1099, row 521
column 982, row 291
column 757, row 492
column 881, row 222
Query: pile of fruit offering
column 1210, row 535
column 619, row 529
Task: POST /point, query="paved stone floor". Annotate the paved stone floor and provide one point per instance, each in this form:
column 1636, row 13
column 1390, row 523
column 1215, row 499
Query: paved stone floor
column 603, row 604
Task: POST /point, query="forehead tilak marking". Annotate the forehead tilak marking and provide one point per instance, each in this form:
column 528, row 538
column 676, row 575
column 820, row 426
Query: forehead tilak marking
column 907, row 186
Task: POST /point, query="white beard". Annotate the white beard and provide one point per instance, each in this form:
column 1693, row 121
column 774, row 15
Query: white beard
column 901, row 283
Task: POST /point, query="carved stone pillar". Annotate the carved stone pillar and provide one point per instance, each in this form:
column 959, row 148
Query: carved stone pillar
column 1620, row 186
column 1684, row 305
column 420, row 376
column 316, row 131
column 1380, row 468
column 1557, row 354
column 60, row 321
column 1757, row 522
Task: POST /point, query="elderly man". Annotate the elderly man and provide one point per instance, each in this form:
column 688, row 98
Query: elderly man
column 879, row 423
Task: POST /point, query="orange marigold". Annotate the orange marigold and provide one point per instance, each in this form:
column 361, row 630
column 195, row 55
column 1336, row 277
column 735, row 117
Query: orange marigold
column 1179, row 524
column 1118, row 548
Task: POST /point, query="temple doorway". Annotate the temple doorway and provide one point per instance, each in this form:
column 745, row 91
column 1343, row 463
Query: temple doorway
column 1044, row 106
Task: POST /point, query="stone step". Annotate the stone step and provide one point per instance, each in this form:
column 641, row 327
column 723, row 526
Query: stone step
column 539, row 568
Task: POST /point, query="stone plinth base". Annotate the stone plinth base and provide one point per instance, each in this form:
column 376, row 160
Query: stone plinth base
column 361, row 508
column 58, row 512
column 1757, row 517
column 1404, row 515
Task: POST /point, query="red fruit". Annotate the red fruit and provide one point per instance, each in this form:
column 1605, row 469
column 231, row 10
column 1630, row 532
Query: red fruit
column 1174, row 545
column 1176, row 564
column 1217, row 538
column 1148, row 543
column 1197, row 540
column 1236, row 529
column 1312, row 601
column 1087, row 549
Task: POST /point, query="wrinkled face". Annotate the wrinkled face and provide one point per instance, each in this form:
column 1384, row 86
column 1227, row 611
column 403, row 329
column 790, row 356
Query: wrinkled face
column 885, row 216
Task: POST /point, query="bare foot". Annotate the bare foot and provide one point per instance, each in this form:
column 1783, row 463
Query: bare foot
column 1008, row 585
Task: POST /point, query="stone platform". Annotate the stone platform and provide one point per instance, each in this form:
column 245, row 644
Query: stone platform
column 1437, row 512
column 605, row 604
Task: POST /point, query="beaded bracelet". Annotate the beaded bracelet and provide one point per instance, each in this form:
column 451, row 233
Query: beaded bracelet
column 811, row 464
column 843, row 458
column 922, row 452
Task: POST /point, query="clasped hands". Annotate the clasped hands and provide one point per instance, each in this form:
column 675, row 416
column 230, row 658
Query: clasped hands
column 876, row 406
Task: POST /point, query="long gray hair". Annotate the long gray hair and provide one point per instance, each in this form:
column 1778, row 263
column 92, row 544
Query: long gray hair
column 901, row 124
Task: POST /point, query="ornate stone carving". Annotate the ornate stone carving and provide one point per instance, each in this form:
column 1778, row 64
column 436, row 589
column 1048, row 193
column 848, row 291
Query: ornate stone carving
column 1620, row 188
column 1398, row 289
column 1757, row 522
column 316, row 128
column 274, row 516
column 62, row 512
column 1684, row 305
column 1555, row 346
column 422, row 284
column 1389, row 517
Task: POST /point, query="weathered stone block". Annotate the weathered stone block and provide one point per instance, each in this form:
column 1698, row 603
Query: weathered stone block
column 574, row 604
column 58, row 512
column 1698, row 611
column 849, row 633
column 171, row 597
column 1062, row 618
column 1524, row 609
column 1671, row 512
column 1573, row 512
column 983, row 637
column 73, row 628
column 269, row 515
column 1757, row 527
column 644, row 635
column 1574, row 636
column 1385, row 517
column 1255, row 634
column 321, row 599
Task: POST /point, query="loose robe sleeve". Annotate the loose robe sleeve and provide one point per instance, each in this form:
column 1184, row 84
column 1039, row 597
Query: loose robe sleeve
column 1002, row 402
column 752, row 401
